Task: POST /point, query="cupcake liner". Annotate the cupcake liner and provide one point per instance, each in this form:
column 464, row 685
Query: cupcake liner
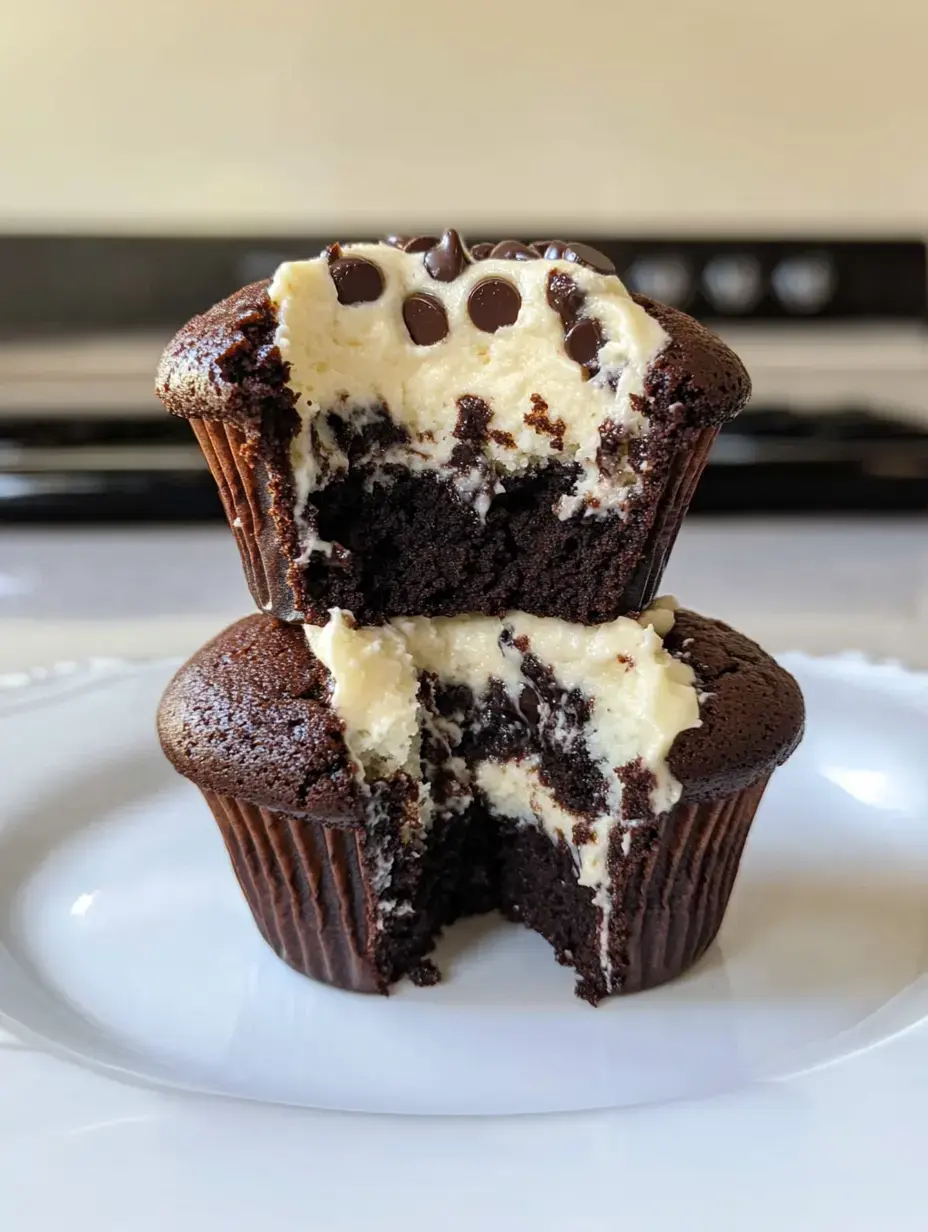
column 672, row 890
column 224, row 447
column 305, row 884
column 242, row 478
column 308, row 889
column 682, row 480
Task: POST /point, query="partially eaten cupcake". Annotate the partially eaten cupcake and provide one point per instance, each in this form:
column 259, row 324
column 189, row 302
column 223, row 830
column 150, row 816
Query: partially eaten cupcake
column 458, row 473
column 372, row 785
column 419, row 428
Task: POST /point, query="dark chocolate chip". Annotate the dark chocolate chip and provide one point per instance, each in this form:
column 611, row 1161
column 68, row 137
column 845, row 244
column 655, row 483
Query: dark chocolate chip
column 583, row 341
column 357, row 280
column 425, row 319
column 480, row 252
column 551, row 250
column 583, row 254
column 446, row 259
column 512, row 250
column 412, row 243
column 564, row 296
column 493, row 303
column 420, row 243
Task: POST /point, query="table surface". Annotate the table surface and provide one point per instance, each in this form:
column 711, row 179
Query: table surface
column 814, row 585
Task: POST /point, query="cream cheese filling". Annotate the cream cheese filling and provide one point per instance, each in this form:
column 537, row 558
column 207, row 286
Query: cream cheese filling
column 350, row 359
column 640, row 697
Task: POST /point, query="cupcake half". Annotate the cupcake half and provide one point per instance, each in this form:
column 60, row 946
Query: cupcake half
column 373, row 785
column 415, row 427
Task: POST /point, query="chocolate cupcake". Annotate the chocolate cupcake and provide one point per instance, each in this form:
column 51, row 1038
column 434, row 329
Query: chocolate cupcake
column 415, row 428
column 372, row 785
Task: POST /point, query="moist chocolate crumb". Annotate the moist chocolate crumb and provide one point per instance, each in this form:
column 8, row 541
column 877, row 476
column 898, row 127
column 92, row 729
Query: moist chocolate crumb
column 538, row 419
column 582, row 833
column 425, row 974
column 638, row 782
column 505, row 439
column 612, row 454
column 362, row 436
column 473, row 420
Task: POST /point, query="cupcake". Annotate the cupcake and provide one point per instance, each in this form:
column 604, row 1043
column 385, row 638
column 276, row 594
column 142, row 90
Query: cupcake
column 419, row 428
column 374, row 784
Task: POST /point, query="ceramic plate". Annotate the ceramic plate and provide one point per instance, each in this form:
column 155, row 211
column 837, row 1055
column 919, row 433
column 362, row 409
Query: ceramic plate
column 159, row 1054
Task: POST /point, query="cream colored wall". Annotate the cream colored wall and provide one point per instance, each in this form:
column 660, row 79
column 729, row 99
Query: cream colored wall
column 193, row 114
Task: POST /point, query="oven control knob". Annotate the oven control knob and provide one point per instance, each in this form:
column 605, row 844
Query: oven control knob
column 733, row 283
column 804, row 283
column 664, row 278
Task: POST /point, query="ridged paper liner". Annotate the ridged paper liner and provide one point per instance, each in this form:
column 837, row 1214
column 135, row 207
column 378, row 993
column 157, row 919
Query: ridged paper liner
column 670, row 898
column 682, row 481
column 306, row 885
column 306, row 888
column 266, row 567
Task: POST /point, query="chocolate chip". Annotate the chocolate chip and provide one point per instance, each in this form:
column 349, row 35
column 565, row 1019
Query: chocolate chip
column 412, row 243
column 446, row 259
column 551, row 250
column 425, row 319
column 512, row 250
column 564, row 296
column 357, row 281
column 583, row 254
column 421, row 243
column 480, row 252
column 583, row 341
column 493, row 303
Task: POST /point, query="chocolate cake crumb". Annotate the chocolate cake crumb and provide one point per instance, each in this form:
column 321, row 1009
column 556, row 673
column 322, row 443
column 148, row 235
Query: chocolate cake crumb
column 473, row 420
column 638, row 782
column 538, row 419
column 425, row 974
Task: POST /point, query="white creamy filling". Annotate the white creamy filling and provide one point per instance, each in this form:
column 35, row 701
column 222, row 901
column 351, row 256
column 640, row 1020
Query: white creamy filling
column 640, row 698
column 351, row 358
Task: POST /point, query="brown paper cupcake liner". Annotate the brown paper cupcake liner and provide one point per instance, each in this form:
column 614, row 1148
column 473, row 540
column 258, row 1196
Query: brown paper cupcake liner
column 683, row 479
column 673, row 888
column 242, row 483
column 306, row 885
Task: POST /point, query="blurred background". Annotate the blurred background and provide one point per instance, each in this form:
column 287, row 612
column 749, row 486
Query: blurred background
column 761, row 166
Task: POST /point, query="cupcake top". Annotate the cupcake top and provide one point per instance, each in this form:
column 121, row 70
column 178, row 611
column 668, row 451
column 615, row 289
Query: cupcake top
column 255, row 714
column 477, row 363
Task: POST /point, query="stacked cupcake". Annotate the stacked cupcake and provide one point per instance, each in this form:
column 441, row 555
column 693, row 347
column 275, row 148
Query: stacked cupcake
column 455, row 476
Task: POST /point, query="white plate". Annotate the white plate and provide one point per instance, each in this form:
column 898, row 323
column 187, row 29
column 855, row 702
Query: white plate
column 125, row 947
